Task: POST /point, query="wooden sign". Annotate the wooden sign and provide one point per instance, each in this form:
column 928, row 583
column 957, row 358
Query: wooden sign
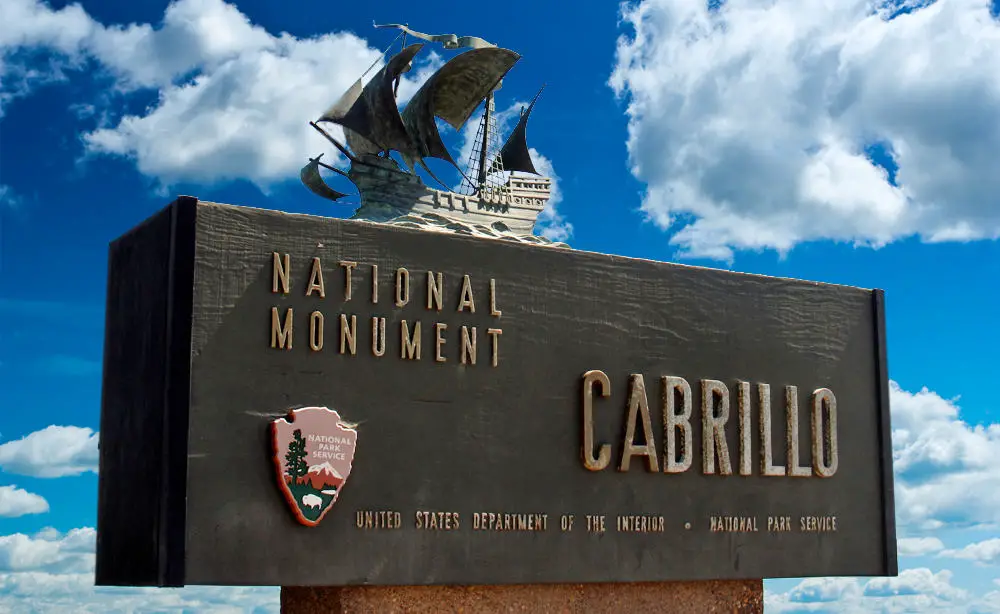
column 293, row 400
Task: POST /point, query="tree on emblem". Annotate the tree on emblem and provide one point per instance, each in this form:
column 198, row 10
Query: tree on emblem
column 295, row 458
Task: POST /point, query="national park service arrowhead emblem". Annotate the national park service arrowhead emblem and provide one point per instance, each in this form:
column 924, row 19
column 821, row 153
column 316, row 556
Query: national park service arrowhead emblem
column 313, row 451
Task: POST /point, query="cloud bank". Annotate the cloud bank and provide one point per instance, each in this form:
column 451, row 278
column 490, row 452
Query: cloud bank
column 764, row 125
column 16, row 502
column 52, row 452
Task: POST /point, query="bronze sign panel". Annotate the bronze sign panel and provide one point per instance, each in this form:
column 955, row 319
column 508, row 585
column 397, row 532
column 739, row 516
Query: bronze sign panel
column 506, row 413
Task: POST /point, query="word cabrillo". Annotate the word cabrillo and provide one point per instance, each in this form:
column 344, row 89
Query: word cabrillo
column 411, row 333
column 678, row 404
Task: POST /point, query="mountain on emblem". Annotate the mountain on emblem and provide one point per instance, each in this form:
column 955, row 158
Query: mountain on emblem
column 313, row 450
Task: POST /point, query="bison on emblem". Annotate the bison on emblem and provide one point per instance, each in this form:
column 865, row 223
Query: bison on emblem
column 313, row 450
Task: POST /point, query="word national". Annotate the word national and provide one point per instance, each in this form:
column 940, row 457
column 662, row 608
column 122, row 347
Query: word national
column 404, row 287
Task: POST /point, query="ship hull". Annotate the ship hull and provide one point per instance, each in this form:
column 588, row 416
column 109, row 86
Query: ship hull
column 388, row 193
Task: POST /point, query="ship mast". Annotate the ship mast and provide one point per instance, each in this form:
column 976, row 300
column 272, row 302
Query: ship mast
column 484, row 166
column 485, row 145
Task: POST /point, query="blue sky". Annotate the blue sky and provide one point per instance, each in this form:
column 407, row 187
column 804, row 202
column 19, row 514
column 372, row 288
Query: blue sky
column 851, row 142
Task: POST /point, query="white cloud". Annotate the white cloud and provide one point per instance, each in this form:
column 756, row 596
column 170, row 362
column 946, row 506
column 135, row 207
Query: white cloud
column 16, row 502
column 48, row 551
column 986, row 552
column 750, row 122
column 947, row 475
column 918, row 546
column 921, row 581
column 813, row 590
column 243, row 113
column 52, row 452
column 234, row 100
column 947, row 471
column 914, row 590
column 54, row 572
column 29, row 26
column 28, row 23
column 989, row 604
column 44, row 593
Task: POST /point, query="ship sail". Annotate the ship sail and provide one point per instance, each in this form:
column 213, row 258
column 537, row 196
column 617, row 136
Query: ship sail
column 373, row 126
column 452, row 94
column 359, row 144
column 370, row 111
column 314, row 181
column 514, row 155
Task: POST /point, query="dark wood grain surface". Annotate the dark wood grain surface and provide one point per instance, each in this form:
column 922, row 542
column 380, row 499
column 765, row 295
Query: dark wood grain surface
column 442, row 436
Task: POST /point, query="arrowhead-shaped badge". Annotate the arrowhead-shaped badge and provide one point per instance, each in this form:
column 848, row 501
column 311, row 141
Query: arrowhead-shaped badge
column 313, row 451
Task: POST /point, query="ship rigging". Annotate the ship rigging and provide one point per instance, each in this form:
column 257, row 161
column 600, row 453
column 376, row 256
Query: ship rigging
column 374, row 127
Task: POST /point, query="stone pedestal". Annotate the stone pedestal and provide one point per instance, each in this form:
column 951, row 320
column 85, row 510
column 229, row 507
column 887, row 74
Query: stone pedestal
column 742, row 596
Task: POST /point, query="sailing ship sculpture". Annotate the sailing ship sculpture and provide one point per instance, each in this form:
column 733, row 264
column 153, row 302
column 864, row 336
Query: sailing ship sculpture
column 501, row 192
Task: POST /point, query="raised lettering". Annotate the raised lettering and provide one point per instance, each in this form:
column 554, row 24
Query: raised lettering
column 439, row 328
column 281, row 335
column 348, row 334
column 743, row 401
column 316, row 321
column 494, row 334
column 824, row 433
column 410, row 346
column 466, row 301
column 281, row 268
column 638, row 403
column 792, row 433
column 378, row 336
column 434, row 289
column 468, row 346
column 714, row 396
column 493, row 299
column 591, row 462
column 348, row 266
column 402, row 287
column 767, row 466
column 674, row 422
column 316, row 279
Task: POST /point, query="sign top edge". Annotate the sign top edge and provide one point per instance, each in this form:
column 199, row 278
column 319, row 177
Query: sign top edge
column 512, row 244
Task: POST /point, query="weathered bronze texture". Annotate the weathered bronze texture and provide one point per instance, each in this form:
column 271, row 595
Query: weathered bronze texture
column 527, row 414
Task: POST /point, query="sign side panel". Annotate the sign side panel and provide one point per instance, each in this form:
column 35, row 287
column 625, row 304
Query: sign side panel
column 130, row 486
column 885, row 432
column 177, row 391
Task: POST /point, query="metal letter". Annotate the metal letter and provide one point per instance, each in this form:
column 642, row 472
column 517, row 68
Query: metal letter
column 673, row 422
column 792, row 433
column 824, row 441
column 280, row 272
column 767, row 467
column 713, row 426
column 638, row 403
column 281, row 336
column 603, row 457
